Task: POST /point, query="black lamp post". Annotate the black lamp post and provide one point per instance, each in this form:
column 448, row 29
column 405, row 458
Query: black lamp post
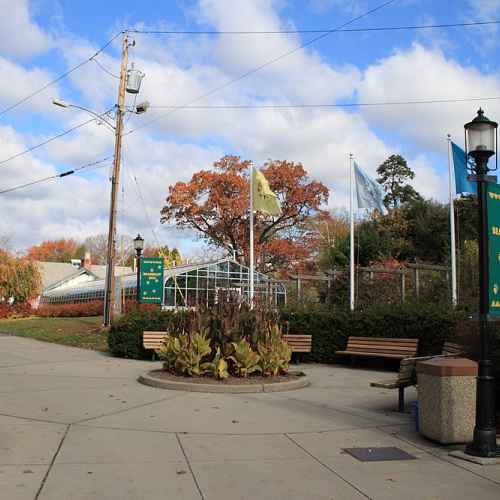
column 139, row 246
column 481, row 145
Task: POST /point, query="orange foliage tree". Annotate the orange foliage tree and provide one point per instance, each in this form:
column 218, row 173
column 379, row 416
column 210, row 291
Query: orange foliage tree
column 216, row 204
column 20, row 279
column 56, row 251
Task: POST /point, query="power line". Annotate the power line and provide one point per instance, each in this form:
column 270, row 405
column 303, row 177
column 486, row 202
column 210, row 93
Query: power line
column 95, row 164
column 131, row 173
column 59, row 78
column 316, row 31
column 328, row 105
column 106, row 70
column 265, row 65
column 53, row 138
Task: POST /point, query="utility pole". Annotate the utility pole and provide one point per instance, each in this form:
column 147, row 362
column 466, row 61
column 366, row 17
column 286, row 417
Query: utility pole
column 109, row 294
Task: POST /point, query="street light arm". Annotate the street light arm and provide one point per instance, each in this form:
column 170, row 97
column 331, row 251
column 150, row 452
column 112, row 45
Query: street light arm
column 63, row 104
column 93, row 113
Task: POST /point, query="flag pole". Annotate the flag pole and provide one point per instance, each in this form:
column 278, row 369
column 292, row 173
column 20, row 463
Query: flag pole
column 351, row 213
column 251, row 241
column 453, row 244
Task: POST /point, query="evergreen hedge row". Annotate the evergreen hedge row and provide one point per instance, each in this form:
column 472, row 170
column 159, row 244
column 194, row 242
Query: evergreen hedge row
column 431, row 324
column 125, row 335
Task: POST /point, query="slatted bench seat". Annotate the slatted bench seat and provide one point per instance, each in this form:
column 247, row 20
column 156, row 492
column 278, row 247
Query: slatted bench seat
column 380, row 347
column 452, row 349
column 153, row 341
column 406, row 376
column 299, row 343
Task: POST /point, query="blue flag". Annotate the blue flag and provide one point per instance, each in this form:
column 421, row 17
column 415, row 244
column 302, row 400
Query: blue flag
column 369, row 192
column 460, row 163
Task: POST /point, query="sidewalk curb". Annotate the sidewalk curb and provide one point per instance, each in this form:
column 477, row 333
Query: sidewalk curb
column 174, row 385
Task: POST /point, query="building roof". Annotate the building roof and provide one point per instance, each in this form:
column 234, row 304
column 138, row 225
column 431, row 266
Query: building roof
column 130, row 280
column 100, row 271
column 54, row 273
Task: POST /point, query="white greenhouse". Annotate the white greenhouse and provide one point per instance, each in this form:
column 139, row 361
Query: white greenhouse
column 188, row 285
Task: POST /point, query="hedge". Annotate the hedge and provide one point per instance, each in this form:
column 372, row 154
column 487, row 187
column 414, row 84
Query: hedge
column 431, row 324
column 125, row 335
column 73, row 310
column 15, row 310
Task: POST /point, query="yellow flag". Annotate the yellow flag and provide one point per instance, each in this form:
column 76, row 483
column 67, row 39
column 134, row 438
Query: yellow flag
column 264, row 200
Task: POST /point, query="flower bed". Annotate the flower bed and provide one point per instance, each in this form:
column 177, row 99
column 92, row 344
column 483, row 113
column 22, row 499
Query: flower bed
column 234, row 385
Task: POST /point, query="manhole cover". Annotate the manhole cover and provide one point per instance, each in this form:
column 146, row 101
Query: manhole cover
column 379, row 454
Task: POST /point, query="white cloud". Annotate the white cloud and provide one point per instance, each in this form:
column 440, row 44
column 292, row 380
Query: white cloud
column 485, row 38
column 420, row 74
column 428, row 181
column 485, row 9
column 35, row 211
column 21, row 82
column 20, row 36
column 284, row 79
column 354, row 7
column 185, row 141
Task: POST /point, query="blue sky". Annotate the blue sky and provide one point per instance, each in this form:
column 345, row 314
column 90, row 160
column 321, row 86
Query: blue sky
column 41, row 39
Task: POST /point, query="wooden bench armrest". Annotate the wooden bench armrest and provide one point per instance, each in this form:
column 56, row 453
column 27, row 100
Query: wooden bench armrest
column 391, row 384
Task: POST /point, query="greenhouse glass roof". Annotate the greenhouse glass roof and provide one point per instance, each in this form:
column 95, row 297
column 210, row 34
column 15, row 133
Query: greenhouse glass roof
column 185, row 286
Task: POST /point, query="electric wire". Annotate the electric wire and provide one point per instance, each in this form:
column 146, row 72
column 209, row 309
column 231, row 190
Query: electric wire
column 328, row 105
column 266, row 64
column 317, row 31
column 140, row 196
column 53, row 138
column 106, row 70
column 59, row 78
column 89, row 166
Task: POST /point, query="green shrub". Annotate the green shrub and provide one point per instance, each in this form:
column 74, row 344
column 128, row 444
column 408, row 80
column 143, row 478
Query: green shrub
column 184, row 354
column 245, row 359
column 125, row 335
column 275, row 354
column 218, row 367
column 431, row 324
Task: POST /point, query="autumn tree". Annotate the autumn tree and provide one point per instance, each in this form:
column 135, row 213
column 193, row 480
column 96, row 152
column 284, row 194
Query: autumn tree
column 394, row 175
column 20, row 279
column 62, row 250
column 215, row 203
column 171, row 257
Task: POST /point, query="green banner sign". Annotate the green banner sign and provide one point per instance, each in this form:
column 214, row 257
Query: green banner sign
column 493, row 204
column 151, row 281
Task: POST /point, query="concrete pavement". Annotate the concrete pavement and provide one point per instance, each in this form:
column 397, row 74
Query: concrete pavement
column 75, row 424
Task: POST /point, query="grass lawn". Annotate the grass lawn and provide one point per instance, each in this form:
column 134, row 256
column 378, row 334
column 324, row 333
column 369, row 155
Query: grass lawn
column 76, row 332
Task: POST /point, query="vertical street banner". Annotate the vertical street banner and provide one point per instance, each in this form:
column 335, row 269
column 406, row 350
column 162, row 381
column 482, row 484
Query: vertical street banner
column 151, row 280
column 493, row 205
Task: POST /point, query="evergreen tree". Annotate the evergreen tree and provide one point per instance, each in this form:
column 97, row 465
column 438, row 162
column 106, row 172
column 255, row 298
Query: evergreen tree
column 393, row 176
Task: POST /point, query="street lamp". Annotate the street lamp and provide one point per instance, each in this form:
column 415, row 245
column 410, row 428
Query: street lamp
column 481, row 145
column 100, row 117
column 139, row 246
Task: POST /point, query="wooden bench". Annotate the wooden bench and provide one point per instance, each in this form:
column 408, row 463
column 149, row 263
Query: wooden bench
column 299, row 343
column 380, row 347
column 452, row 349
column 406, row 376
column 153, row 341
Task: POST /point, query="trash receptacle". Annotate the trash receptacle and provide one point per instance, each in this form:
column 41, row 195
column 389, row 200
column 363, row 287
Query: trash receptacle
column 447, row 399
